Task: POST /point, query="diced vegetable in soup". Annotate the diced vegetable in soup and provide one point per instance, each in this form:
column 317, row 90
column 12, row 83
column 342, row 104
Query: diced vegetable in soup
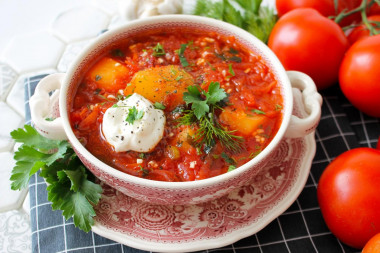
column 177, row 106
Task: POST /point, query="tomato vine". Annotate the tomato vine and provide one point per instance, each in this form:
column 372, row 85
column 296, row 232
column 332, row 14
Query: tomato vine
column 372, row 26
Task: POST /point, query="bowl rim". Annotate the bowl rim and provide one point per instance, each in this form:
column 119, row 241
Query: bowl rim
column 277, row 69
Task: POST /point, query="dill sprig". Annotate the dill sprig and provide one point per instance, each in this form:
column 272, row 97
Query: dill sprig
column 210, row 129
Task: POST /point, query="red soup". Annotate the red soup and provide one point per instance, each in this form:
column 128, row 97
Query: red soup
column 215, row 106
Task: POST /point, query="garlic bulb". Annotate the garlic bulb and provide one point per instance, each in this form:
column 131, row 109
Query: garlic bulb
column 134, row 9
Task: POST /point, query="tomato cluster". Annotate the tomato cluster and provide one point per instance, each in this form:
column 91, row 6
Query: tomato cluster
column 306, row 38
column 339, row 42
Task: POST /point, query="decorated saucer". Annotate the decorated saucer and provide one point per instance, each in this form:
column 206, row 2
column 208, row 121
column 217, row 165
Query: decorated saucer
column 243, row 212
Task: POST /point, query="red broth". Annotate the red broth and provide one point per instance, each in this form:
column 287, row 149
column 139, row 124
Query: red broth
column 253, row 110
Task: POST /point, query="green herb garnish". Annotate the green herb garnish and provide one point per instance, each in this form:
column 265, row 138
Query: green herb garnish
column 181, row 55
column 255, row 18
column 158, row 50
column 134, row 114
column 160, row 106
column 98, row 77
column 145, row 172
column 203, row 106
column 119, row 97
column 201, row 100
column 233, row 51
column 231, row 70
column 227, row 158
column 231, row 168
column 257, row 111
column 71, row 187
column 221, row 56
column 235, row 59
column 103, row 97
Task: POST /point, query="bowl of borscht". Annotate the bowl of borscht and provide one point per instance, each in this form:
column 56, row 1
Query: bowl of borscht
column 175, row 109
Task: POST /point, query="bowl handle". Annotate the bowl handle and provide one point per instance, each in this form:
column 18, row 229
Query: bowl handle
column 305, row 91
column 44, row 107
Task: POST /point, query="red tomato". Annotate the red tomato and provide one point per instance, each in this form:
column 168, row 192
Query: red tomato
column 373, row 245
column 306, row 41
column 325, row 7
column 359, row 76
column 374, row 10
column 348, row 195
column 362, row 31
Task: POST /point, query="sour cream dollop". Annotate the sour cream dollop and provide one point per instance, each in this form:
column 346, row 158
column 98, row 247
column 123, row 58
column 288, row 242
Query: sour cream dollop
column 143, row 134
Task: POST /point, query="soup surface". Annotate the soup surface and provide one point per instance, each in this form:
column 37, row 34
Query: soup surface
column 206, row 103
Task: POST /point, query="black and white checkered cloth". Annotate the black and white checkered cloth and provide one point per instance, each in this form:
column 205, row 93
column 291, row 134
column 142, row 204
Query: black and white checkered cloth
column 301, row 228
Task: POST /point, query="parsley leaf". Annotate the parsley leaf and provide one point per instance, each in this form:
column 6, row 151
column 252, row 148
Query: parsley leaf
column 200, row 105
column 209, row 8
column 69, row 188
column 59, row 153
column 30, row 136
column 216, row 93
column 260, row 24
column 231, row 14
column 74, row 195
column 27, row 164
column 134, row 114
column 200, row 108
column 203, row 105
column 158, row 50
column 29, row 159
column 194, row 91
column 247, row 14
column 77, row 206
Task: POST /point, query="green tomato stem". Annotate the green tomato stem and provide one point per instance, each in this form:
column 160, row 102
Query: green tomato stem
column 372, row 30
column 361, row 8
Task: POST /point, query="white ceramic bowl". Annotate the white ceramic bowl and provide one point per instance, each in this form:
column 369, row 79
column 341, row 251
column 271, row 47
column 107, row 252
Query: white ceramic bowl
column 172, row 192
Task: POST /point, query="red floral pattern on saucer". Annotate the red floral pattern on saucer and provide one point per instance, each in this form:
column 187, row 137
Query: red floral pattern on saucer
column 165, row 227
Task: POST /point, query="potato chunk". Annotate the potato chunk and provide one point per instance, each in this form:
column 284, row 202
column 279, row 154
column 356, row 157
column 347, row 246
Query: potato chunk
column 164, row 84
column 242, row 122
